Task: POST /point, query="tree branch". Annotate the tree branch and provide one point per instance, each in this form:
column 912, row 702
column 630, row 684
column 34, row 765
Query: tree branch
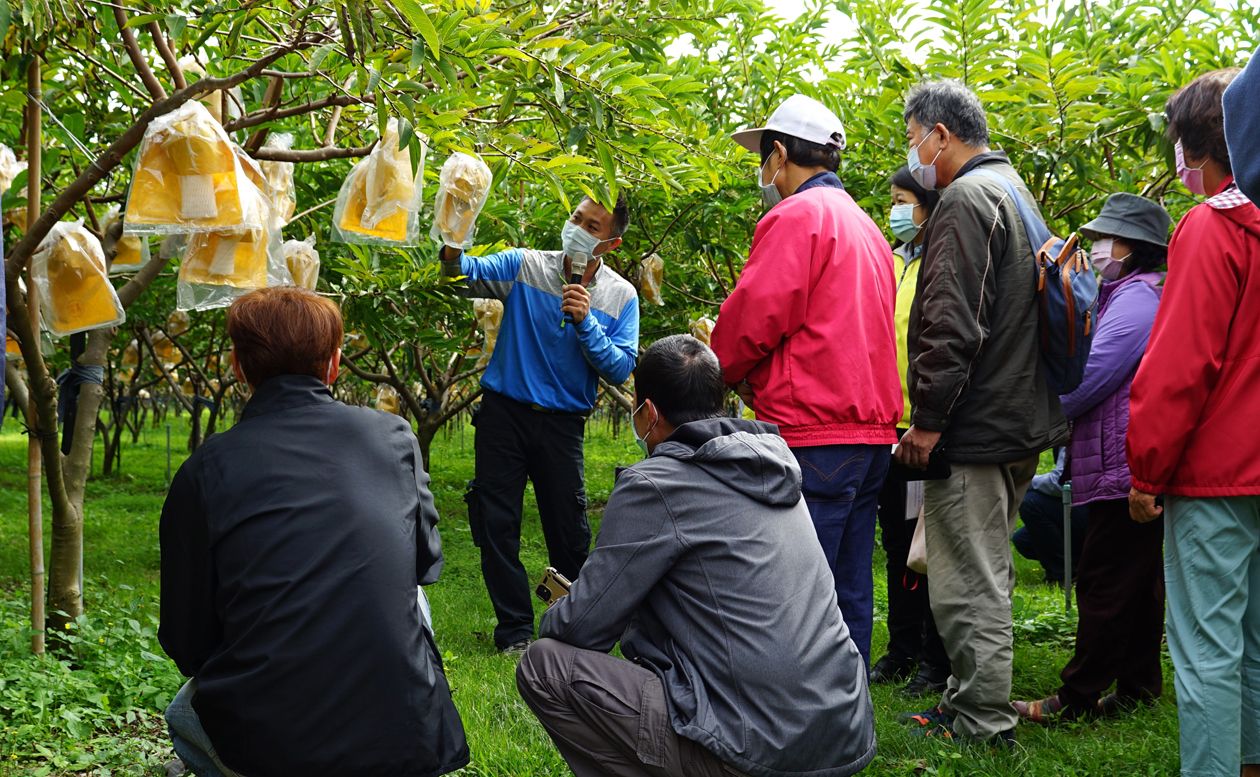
column 454, row 411
column 614, row 392
column 176, row 389
column 172, row 64
column 137, row 56
column 275, row 88
column 275, row 113
column 311, row 155
column 362, row 374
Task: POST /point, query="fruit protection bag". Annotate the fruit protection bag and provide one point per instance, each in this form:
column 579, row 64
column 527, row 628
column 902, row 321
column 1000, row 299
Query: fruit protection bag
column 222, row 265
column 303, row 262
column 489, row 313
column 280, row 179
column 651, row 276
column 702, row 329
column 130, row 252
column 378, row 202
column 75, row 294
column 463, row 187
column 387, row 399
column 188, row 178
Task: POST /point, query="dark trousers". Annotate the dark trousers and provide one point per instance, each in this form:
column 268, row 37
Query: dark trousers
column 841, row 485
column 608, row 716
column 1041, row 537
column 515, row 442
column 1120, row 594
column 912, row 634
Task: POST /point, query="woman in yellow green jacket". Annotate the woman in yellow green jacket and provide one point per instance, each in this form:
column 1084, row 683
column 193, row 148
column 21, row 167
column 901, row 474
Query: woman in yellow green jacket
column 915, row 650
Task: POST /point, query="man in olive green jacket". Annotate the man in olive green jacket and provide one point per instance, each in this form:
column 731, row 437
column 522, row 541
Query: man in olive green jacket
column 980, row 394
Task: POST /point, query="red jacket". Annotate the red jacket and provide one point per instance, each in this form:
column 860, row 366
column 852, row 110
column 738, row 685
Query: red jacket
column 810, row 323
column 1194, row 409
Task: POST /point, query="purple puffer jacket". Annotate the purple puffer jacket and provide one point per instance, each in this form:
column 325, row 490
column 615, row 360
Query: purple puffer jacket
column 1099, row 407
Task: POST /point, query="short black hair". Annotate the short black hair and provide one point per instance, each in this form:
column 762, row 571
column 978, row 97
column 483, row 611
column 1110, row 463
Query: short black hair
column 800, row 152
column 683, row 379
column 927, row 197
column 620, row 214
column 1196, row 116
column 951, row 103
column 1147, row 257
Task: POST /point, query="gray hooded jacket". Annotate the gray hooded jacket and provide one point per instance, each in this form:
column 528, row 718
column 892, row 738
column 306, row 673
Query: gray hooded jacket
column 708, row 569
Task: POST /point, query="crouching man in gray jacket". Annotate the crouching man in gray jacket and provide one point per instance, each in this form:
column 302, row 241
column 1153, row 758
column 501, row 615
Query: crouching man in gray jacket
column 709, row 572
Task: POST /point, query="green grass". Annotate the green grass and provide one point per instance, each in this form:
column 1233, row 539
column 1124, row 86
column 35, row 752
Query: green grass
column 99, row 713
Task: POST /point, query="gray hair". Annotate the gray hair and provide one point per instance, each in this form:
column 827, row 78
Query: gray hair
column 951, row 103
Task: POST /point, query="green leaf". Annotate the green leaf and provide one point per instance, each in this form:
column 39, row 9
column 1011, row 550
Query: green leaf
column 559, row 91
column 374, row 79
column 5, row 17
column 610, row 171
column 175, row 24
column 405, row 132
column 318, row 57
column 207, row 32
column 417, row 55
column 421, row 23
column 143, row 19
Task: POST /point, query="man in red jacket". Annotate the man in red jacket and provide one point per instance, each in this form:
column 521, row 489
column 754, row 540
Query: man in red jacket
column 1193, row 414
column 807, row 339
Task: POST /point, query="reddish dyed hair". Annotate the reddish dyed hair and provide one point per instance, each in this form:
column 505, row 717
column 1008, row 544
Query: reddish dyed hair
column 284, row 330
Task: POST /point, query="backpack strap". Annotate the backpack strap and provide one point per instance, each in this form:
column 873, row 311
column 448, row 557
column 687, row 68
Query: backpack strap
column 1038, row 234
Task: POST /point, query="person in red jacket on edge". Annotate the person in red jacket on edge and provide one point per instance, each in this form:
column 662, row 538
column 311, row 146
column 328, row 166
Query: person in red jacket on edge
column 808, row 342
column 1194, row 412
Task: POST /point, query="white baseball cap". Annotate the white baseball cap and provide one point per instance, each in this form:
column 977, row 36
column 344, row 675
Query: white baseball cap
column 801, row 117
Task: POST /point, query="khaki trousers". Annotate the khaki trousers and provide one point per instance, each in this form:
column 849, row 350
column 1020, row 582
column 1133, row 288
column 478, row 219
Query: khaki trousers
column 968, row 521
column 608, row 715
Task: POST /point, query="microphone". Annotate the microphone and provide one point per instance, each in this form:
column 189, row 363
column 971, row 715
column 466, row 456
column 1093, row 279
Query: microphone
column 575, row 276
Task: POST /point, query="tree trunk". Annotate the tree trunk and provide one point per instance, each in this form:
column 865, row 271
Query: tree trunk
column 425, row 432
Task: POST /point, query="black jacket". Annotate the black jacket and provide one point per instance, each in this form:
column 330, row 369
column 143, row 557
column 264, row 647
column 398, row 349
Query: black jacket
column 975, row 360
column 292, row 545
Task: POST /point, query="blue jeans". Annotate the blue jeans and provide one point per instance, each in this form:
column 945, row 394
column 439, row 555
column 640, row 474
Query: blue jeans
column 1212, row 576
column 1041, row 538
column 841, row 485
column 188, row 737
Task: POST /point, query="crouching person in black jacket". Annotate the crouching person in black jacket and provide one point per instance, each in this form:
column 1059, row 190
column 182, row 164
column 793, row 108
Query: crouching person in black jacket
column 708, row 570
column 292, row 545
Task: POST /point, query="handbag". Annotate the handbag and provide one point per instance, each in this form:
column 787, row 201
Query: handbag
column 917, row 560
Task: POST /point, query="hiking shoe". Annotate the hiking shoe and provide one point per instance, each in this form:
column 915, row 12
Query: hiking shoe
column 1003, row 740
column 517, row 649
column 942, row 732
column 923, row 684
column 175, row 768
column 891, row 670
column 1113, row 705
column 1044, row 711
column 930, row 718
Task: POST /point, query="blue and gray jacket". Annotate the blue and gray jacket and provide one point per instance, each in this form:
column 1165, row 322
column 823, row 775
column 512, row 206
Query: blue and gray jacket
column 539, row 359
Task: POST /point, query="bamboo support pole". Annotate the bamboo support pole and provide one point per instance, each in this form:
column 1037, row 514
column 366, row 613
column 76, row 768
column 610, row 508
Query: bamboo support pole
column 34, row 492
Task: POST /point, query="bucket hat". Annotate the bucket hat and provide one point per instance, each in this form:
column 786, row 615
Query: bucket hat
column 1130, row 217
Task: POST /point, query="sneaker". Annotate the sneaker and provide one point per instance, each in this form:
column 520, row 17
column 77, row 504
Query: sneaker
column 517, row 649
column 1004, row 740
column 891, row 670
column 929, row 718
column 1044, row 711
column 924, row 683
column 943, row 732
column 1113, row 705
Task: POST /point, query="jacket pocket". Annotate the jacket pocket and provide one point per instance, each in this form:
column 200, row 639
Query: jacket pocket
column 476, row 521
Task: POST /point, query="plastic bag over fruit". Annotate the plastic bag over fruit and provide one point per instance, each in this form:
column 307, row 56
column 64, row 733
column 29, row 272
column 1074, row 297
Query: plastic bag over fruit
column 303, row 262
column 131, row 252
column 213, row 100
column 177, row 323
column 463, row 187
column 651, row 276
column 222, row 265
column 489, row 313
column 387, row 399
column 188, row 178
column 702, row 329
column 9, row 167
column 75, row 294
column 280, row 178
column 379, row 200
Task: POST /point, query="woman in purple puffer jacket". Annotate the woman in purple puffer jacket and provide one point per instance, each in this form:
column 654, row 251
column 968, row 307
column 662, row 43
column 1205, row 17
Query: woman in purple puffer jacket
column 1120, row 590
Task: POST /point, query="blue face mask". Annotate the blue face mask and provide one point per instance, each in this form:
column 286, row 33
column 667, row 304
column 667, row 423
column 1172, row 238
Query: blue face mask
column 901, row 222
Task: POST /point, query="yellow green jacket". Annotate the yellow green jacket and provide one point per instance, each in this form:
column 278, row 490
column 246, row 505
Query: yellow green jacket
column 907, row 281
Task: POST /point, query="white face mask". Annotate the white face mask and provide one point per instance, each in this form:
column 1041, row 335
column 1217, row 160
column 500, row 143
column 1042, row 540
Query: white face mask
column 769, row 192
column 579, row 245
column 641, row 441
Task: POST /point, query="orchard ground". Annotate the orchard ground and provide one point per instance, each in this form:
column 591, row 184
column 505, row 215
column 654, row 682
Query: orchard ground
column 99, row 713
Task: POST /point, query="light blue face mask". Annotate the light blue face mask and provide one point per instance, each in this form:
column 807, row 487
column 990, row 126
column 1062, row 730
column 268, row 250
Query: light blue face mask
column 640, row 441
column 924, row 175
column 901, row 222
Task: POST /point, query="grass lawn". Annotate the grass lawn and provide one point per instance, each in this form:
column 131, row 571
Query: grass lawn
column 100, row 713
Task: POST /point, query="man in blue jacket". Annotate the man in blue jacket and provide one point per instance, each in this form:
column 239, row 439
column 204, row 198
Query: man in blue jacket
column 556, row 340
